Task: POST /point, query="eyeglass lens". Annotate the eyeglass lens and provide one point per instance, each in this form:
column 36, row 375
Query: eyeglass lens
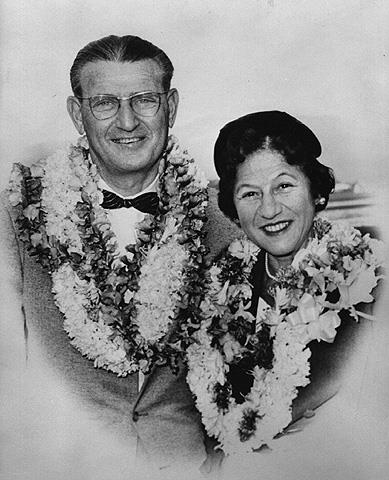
column 106, row 106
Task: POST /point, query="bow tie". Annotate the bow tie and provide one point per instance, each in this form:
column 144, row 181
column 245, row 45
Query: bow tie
column 146, row 203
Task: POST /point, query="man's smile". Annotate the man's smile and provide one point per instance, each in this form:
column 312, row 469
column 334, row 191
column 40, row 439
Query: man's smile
column 127, row 140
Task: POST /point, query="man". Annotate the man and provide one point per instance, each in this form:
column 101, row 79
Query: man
column 117, row 223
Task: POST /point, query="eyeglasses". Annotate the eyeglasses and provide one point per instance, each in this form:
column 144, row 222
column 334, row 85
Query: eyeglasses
column 145, row 104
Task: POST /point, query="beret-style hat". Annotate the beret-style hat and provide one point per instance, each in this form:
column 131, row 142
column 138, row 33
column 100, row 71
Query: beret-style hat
column 270, row 123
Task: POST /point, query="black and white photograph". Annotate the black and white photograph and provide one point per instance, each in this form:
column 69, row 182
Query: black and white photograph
column 194, row 236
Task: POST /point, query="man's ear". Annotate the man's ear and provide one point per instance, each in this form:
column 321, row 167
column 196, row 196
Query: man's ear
column 74, row 110
column 172, row 99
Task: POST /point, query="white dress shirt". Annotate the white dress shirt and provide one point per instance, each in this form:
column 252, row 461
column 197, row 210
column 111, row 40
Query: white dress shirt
column 124, row 220
column 123, row 224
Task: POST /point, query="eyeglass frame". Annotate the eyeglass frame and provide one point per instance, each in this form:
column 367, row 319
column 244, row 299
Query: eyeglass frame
column 120, row 99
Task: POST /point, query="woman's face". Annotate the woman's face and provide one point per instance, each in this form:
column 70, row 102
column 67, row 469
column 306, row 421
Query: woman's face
column 274, row 204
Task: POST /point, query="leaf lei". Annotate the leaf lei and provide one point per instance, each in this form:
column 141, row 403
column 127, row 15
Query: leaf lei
column 338, row 264
column 130, row 312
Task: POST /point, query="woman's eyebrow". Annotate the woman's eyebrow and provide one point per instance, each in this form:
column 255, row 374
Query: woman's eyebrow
column 253, row 185
column 248, row 185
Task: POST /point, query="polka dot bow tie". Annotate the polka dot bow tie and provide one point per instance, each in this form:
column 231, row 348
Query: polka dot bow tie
column 146, row 203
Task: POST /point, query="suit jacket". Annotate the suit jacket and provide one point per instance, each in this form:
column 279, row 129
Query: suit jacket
column 161, row 416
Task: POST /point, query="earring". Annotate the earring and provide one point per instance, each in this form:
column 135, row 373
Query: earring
column 320, row 201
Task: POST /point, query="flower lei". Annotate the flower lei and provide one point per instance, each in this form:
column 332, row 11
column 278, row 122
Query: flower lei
column 336, row 271
column 125, row 313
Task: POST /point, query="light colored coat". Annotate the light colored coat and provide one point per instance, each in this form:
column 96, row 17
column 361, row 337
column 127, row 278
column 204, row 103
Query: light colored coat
column 159, row 421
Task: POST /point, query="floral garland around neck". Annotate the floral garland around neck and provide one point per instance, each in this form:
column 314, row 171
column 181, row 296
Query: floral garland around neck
column 338, row 264
column 130, row 312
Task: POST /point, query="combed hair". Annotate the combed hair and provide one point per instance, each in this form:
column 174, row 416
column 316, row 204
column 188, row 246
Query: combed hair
column 119, row 49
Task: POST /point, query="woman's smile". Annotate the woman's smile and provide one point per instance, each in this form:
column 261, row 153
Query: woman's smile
column 276, row 228
column 274, row 204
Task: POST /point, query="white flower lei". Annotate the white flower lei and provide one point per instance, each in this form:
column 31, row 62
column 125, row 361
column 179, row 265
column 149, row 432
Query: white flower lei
column 336, row 258
column 60, row 215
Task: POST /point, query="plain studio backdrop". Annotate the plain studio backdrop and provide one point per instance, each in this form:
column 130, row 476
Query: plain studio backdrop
column 323, row 61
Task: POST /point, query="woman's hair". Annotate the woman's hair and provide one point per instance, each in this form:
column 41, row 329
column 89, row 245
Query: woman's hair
column 119, row 49
column 274, row 131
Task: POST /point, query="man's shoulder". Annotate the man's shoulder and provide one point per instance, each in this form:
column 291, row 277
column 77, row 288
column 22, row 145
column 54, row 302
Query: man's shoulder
column 8, row 213
column 4, row 197
column 220, row 230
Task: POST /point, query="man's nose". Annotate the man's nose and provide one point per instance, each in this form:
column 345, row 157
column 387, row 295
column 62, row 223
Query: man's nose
column 270, row 206
column 126, row 117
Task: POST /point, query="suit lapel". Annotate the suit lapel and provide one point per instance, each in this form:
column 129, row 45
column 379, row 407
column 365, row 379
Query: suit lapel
column 143, row 387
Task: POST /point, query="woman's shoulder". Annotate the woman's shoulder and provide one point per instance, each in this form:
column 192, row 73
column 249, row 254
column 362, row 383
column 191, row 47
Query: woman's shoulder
column 330, row 364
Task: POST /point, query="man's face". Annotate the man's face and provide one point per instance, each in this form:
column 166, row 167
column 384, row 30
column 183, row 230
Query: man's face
column 127, row 143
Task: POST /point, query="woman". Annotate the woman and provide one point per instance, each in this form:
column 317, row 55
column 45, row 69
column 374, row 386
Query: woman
column 279, row 313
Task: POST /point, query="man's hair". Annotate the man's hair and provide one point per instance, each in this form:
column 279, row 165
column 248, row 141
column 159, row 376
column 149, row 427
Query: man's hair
column 119, row 49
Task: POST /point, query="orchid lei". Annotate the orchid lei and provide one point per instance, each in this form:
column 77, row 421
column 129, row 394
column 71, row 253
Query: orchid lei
column 126, row 313
column 338, row 264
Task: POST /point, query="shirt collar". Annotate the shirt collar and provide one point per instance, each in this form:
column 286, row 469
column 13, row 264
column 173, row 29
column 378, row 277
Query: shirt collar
column 151, row 188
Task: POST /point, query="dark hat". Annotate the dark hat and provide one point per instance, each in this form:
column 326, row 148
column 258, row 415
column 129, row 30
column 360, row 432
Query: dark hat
column 270, row 123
